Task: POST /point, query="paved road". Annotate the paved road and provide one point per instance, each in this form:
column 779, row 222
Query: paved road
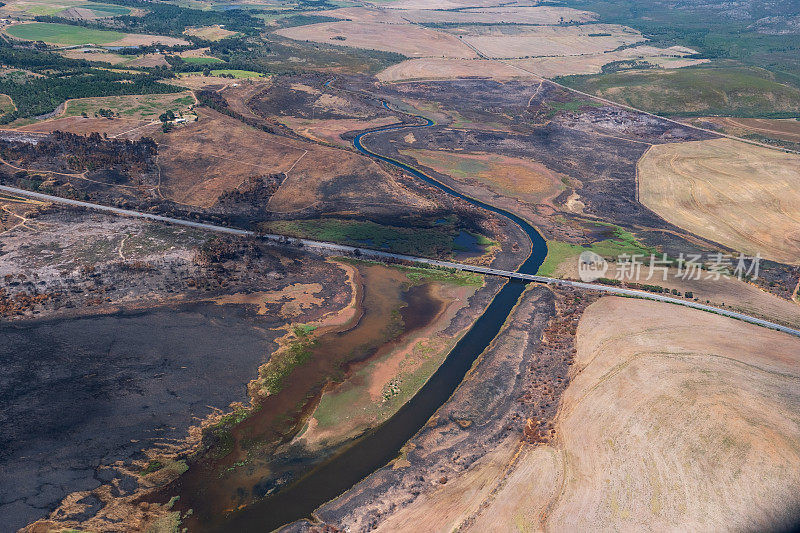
column 330, row 247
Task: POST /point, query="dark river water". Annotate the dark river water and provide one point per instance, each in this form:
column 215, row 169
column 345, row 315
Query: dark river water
column 383, row 444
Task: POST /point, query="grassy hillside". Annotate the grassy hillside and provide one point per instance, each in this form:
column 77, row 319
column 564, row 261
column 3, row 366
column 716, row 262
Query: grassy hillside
column 708, row 90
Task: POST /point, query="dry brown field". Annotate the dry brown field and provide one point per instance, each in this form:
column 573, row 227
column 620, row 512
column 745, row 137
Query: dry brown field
column 198, row 81
column 149, row 61
column 195, row 52
column 734, row 294
column 201, row 160
column 440, row 68
column 522, row 179
column 676, row 417
column 515, row 15
column 441, row 4
column 549, row 67
column 673, row 419
column 97, row 55
column 532, row 41
column 331, row 130
column 743, row 196
column 353, row 182
column 140, row 39
column 210, row 33
column 412, row 41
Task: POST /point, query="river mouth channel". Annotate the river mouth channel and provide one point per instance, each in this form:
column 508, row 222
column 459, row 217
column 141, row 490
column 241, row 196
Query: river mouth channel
column 378, row 447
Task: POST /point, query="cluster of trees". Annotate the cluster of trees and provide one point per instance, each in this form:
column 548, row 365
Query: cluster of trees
column 62, row 78
column 168, row 19
column 254, row 193
column 40, row 95
column 30, row 58
column 221, row 249
column 626, row 64
column 167, row 116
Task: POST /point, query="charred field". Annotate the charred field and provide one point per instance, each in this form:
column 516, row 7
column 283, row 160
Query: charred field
column 139, row 326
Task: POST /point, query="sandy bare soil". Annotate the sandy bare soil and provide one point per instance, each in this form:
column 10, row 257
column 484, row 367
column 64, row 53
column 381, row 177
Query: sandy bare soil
column 532, row 41
column 412, row 41
column 514, row 15
column 440, row 68
column 548, row 67
column 674, row 418
column 743, row 196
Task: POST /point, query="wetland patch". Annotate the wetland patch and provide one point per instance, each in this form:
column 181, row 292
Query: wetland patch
column 252, row 455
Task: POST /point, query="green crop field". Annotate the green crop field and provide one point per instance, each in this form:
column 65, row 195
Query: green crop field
column 35, row 8
column 243, row 74
column 63, row 34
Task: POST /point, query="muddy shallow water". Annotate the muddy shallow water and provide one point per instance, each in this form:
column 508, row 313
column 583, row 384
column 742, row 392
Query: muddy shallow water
column 214, row 485
column 81, row 393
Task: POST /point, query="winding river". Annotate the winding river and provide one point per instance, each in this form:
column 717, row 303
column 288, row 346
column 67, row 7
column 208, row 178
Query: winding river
column 382, row 444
